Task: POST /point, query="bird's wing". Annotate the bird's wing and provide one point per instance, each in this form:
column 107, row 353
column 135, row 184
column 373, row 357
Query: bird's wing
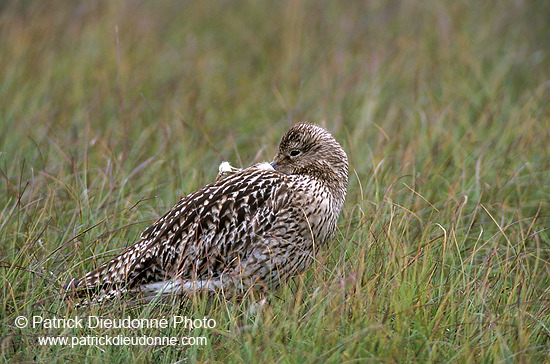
column 202, row 235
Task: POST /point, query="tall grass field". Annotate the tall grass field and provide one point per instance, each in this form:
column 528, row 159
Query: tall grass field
column 111, row 111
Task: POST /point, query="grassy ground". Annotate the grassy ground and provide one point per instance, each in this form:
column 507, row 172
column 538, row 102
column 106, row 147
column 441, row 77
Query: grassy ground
column 111, row 111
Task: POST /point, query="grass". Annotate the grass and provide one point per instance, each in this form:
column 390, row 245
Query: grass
column 111, row 111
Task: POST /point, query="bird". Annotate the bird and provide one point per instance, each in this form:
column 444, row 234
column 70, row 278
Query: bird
column 250, row 229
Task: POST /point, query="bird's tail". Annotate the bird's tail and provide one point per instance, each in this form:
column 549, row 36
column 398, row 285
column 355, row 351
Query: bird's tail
column 137, row 265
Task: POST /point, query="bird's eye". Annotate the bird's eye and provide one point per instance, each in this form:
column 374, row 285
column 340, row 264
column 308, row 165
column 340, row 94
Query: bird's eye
column 294, row 153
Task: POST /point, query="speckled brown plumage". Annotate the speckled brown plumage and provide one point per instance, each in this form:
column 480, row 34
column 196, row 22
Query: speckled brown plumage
column 254, row 228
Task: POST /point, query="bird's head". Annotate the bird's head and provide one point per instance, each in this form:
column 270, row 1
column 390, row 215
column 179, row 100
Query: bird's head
column 308, row 149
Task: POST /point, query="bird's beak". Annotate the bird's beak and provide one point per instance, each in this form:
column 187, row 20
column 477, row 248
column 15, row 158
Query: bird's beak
column 274, row 165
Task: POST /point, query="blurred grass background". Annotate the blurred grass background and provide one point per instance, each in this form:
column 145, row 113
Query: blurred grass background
column 110, row 111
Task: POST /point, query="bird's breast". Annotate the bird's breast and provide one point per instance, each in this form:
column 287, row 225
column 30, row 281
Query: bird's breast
column 319, row 209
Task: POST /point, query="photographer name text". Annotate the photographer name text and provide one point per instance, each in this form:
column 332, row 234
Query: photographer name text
column 184, row 322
